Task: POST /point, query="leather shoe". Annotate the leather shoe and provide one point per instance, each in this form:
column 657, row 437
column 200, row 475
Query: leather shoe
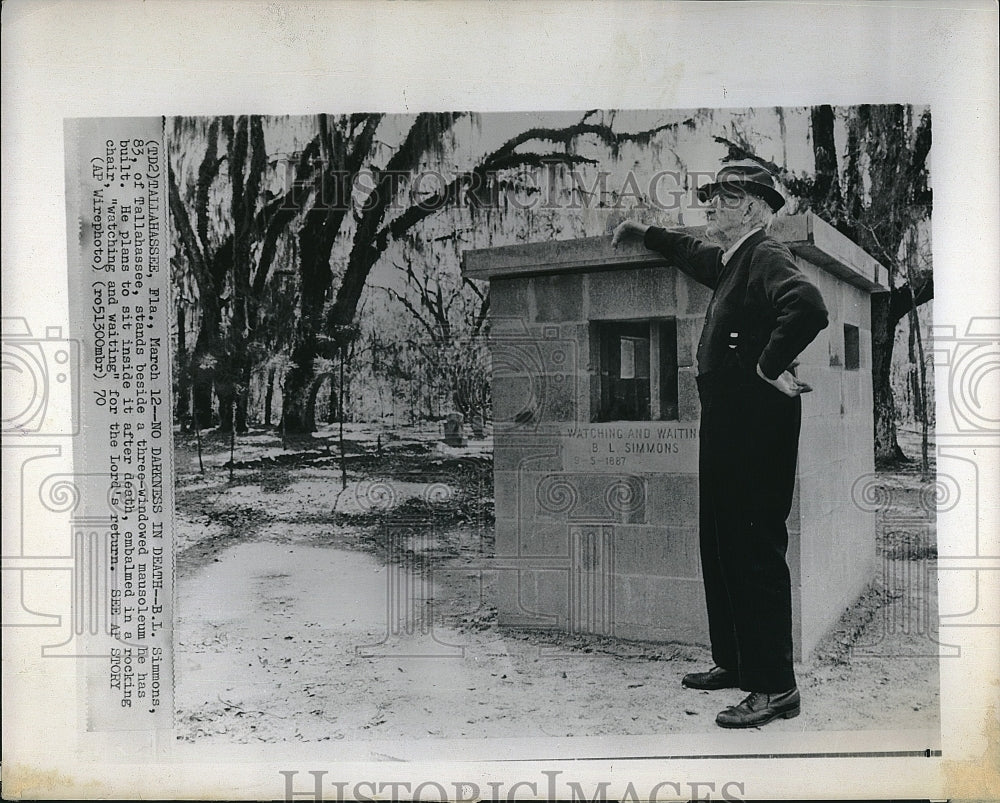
column 714, row 678
column 759, row 708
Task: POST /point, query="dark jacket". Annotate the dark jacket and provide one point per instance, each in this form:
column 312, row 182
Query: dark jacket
column 763, row 307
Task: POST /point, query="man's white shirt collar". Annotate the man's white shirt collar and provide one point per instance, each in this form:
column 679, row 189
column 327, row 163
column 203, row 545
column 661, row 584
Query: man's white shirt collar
column 729, row 254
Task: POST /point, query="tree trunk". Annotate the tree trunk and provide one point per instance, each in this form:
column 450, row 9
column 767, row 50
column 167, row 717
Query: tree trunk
column 203, row 378
column 230, row 394
column 226, row 389
column 331, row 407
column 295, row 393
column 243, row 400
column 182, row 406
column 887, row 449
column 313, row 392
column 827, row 190
column 202, row 398
column 269, row 397
column 226, row 394
column 345, row 391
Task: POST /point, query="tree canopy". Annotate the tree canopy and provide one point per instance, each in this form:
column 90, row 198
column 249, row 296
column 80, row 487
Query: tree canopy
column 284, row 229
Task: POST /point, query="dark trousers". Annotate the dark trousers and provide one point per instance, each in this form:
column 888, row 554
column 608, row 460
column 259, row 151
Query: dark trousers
column 748, row 449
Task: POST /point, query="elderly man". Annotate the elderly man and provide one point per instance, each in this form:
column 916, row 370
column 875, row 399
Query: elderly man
column 763, row 313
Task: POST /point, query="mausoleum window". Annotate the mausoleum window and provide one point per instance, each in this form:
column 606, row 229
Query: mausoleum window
column 637, row 371
column 852, row 348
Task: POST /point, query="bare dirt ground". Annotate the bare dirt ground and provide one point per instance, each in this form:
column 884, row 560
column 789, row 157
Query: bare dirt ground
column 310, row 612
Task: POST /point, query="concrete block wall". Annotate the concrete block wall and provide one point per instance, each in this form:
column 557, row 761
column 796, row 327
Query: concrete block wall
column 571, row 559
column 650, row 579
column 835, row 451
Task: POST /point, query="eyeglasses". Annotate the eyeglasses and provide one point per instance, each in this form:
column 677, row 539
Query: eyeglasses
column 722, row 200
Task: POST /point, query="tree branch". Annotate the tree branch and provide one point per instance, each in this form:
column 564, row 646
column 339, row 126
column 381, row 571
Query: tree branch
column 423, row 136
column 258, row 164
column 370, row 241
column 902, row 299
column 413, row 311
column 566, row 136
column 277, row 214
column 739, row 151
column 192, row 247
column 484, row 311
column 207, row 172
column 474, row 287
column 238, row 143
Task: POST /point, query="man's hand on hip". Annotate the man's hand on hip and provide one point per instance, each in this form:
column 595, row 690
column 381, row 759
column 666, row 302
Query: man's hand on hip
column 787, row 383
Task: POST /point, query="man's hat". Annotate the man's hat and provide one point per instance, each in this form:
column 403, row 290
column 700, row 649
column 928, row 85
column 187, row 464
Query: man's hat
column 744, row 177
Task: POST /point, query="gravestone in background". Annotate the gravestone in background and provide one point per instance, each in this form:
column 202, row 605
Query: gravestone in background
column 453, row 435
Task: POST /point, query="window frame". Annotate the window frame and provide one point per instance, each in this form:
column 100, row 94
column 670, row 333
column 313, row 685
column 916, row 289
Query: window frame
column 852, row 347
column 660, row 370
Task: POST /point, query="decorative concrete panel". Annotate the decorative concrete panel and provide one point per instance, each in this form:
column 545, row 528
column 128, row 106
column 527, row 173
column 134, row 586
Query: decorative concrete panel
column 508, row 297
column 581, row 497
column 673, row 499
column 688, row 333
column 692, row 298
column 658, row 550
column 631, row 293
column 557, row 298
column 654, row 608
column 688, row 405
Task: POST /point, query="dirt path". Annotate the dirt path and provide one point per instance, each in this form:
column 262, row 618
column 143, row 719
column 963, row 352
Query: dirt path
column 300, row 622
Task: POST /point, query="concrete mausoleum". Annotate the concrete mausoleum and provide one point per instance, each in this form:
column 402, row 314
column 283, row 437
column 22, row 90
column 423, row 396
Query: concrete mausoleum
column 596, row 436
